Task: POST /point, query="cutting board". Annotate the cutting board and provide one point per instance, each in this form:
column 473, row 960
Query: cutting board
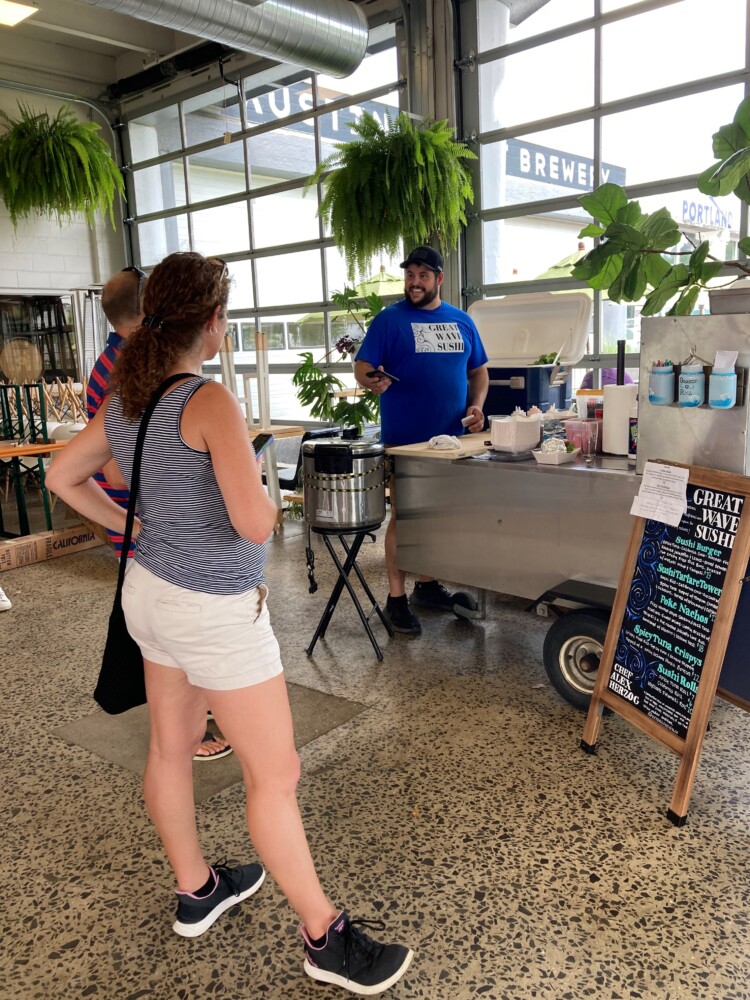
column 471, row 444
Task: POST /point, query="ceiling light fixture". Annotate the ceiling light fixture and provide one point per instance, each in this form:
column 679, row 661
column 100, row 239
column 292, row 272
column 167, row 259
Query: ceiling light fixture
column 12, row 13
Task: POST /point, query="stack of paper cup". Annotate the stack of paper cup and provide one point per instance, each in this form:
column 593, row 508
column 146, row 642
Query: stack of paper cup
column 618, row 401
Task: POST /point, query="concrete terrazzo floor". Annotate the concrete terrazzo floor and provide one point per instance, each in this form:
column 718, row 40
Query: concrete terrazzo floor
column 457, row 806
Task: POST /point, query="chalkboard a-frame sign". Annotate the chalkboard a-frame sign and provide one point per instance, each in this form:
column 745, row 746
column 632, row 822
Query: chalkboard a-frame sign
column 671, row 620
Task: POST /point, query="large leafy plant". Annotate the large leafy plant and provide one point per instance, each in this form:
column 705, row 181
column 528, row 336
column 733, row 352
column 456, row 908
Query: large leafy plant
column 316, row 387
column 401, row 181
column 635, row 258
column 56, row 166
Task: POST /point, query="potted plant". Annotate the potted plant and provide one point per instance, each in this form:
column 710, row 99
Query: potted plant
column 56, row 166
column 316, row 387
column 632, row 261
column 401, row 181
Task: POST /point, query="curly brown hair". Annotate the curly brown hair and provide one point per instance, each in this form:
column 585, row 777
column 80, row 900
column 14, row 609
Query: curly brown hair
column 181, row 294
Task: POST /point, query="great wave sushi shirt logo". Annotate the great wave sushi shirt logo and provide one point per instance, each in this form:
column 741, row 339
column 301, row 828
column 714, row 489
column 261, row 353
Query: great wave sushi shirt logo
column 437, row 338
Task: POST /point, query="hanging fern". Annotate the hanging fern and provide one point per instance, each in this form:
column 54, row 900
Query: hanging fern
column 56, row 166
column 399, row 182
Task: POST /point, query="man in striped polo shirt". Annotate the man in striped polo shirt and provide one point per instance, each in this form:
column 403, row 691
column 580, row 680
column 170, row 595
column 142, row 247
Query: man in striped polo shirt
column 121, row 303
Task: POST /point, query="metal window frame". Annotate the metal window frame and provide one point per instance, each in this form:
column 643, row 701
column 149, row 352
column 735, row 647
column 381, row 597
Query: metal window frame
column 476, row 287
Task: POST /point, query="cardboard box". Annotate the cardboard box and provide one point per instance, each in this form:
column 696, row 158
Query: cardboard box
column 28, row 549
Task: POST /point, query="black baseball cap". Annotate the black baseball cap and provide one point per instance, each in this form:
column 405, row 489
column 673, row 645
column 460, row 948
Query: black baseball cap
column 427, row 257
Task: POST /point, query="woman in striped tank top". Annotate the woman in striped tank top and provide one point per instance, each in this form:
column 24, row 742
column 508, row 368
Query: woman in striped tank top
column 195, row 602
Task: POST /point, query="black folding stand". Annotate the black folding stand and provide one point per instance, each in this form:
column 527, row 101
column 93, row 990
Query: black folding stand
column 350, row 563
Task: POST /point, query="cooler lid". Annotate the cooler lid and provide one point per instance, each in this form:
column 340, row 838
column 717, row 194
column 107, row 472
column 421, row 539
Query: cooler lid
column 517, row 329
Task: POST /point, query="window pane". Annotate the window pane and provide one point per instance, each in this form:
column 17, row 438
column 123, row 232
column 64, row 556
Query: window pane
column 233, row 334
column 531, row 247
column 273, row 104
column 288, row 151
column 275, row 340
column 218, row 231
column 643, row 38
column 553, row 14
column 675, row 136
column 289, row 278
column 375, row 69
column 513, row 90
column 248, row 338
column 217, row 172
column 308, row 333
column 210, row 116
column 284, row 403
column 608, row 5
column 287, row 217
column 550, row 164
column 388, row 266
column 281, row 155
column 274, row 335
column 335, row 270
column 241, row 296
column 160, row 187
column 161, row 237
column 155, row 134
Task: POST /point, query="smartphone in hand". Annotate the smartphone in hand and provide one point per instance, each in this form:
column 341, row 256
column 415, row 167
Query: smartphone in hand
column 260, row 443
column 378, row 373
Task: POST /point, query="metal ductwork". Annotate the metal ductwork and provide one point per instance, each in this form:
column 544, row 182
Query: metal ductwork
column 327, row 36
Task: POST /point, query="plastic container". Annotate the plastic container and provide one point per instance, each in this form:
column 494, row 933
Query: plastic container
column 555, row 457
column 661, row 385
column 515, row 434
column 691, row 386
column 722, row 388
column 588, row 401
column 577, row 432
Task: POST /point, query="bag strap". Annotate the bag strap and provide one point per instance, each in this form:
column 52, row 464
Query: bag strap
column 135, row 476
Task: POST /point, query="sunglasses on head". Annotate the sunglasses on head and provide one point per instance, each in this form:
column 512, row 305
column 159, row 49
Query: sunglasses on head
column 222, row 264
column 141, row 278
column 141, row 274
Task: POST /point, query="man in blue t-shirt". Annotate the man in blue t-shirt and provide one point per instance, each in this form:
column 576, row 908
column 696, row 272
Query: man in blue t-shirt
column 434, row 351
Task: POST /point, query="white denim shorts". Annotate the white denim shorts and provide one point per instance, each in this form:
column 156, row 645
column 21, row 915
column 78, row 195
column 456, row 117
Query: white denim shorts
column 220, row 641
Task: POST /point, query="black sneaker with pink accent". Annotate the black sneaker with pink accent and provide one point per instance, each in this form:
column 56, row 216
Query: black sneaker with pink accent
column 349, row 958
column 195, row 914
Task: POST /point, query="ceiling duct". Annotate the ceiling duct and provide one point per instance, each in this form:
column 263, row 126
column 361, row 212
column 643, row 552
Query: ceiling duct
column 327, row 36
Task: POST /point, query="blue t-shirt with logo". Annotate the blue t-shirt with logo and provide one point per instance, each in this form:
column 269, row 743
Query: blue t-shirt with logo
column 431, row 352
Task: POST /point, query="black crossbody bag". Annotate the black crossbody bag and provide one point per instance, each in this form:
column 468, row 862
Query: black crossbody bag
column 121, row 684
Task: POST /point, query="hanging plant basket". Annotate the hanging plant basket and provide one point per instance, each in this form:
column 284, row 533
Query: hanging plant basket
column 56, row 166
column 399, row 182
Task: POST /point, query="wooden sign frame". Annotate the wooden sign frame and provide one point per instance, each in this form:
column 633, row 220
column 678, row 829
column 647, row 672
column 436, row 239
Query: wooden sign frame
column 687, row 748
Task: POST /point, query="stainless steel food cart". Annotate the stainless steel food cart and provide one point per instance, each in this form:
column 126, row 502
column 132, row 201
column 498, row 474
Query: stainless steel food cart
column 522, row 529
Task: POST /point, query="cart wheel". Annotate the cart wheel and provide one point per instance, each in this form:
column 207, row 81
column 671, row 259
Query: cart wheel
column 464, row 600
column 572, row 651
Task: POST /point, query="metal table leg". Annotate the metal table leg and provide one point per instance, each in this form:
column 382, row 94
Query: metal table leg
column 23, row 517
column 343, row 581
column 375, row 605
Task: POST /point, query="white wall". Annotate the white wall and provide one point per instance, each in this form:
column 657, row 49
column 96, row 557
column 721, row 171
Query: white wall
column 41, row 256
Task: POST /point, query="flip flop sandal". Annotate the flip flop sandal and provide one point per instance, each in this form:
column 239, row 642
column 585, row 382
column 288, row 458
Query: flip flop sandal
column 209, row 738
